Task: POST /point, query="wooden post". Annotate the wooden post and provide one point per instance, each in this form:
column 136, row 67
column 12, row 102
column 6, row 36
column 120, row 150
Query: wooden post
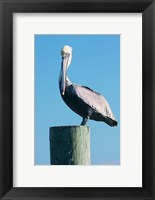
column 70, row 145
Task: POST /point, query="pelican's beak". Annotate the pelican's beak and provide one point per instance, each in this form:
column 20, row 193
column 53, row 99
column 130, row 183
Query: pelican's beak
column 64, row 71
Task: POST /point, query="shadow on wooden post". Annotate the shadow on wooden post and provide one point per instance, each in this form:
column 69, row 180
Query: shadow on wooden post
column 70, row 145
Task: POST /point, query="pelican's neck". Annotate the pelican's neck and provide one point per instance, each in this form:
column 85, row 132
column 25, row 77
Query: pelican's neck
column 68, row 82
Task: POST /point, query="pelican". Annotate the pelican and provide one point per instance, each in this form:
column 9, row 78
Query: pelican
column 84, row 101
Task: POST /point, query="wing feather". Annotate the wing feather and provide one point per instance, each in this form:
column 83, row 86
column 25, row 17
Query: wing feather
column 94, row 100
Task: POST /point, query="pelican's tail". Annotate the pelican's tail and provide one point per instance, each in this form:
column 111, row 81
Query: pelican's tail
column 110, row 121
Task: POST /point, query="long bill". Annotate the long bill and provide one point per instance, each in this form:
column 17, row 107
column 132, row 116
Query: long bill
column 63, row 74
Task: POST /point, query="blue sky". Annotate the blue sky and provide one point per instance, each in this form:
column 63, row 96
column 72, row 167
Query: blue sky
column 96, row 64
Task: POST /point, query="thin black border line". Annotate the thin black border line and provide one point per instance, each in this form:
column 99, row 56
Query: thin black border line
column 7, row 8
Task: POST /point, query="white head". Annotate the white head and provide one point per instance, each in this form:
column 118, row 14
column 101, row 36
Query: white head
column 66, row 53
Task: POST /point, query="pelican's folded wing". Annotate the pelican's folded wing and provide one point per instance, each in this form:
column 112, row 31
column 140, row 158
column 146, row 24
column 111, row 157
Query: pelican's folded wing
column 94, row 100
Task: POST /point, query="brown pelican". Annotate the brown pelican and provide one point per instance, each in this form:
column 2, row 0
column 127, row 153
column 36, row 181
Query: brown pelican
column 84, row 101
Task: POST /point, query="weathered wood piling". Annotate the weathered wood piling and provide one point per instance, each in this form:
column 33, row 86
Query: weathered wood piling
column 70, row 145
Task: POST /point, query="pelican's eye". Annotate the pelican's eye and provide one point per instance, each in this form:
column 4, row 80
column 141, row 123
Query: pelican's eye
column 67, row 54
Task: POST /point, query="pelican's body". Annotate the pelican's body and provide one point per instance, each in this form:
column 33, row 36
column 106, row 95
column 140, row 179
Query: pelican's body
column 81, row 99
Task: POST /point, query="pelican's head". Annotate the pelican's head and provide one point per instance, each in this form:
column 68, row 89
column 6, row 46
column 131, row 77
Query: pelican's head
column 66, row 54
